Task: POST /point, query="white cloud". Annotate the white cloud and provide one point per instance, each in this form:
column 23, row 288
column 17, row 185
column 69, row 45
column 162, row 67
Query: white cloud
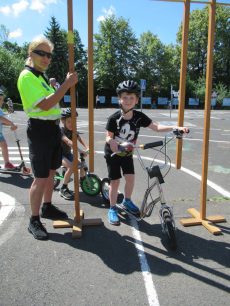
column 37, row 5
column 107, row 13
column 50, row 1
column 19, row 7
column 5, row 10
column 101, row 18
column 17, row 33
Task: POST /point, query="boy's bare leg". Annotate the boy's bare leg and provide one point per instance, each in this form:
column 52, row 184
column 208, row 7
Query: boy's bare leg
column 69, row 165
column 36, row 193
column 129, row 185
column 113, row 190
column 82, row 172
column 49, row 187
column 5, row 154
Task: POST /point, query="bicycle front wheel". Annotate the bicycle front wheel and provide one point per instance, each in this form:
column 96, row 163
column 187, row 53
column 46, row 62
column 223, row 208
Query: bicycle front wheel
column 105, row 185
column 95, row 185
column 170, row 231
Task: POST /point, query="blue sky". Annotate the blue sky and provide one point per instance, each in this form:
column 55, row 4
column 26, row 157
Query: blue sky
column 26, row 19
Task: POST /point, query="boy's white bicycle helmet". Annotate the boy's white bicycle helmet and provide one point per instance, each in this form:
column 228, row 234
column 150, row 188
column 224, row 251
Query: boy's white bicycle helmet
column 66, row 113
column 130, row 87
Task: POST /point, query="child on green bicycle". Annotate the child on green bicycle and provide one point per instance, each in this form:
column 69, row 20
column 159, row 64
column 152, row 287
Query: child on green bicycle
column 124, row 126
column 67, row 156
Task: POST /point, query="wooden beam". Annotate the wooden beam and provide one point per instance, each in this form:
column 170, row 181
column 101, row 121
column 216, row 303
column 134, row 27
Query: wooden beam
column 208, row 93
column 90, row 86
column 73, row 108
column 183, row 71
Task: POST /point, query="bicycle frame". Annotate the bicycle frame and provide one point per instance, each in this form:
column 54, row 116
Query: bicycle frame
column 146, row 210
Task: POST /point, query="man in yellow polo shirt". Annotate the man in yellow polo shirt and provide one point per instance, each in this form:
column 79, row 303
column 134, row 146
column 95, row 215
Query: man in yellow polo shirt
column 41, row 104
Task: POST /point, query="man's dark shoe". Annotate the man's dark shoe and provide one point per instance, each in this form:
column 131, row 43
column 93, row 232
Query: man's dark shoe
column 53, row 212
column 38, row 230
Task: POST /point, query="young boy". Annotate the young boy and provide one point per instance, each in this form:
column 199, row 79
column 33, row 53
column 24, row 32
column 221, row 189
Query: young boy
column 3, row 144
column 10, row 105
column 124, row 126
column 67, row 156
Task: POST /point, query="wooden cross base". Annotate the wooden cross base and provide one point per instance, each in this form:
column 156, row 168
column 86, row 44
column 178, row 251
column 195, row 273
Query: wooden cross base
column 77, row 227
column 206, row 223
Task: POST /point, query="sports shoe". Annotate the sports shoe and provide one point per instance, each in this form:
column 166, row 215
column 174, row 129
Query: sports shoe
column 113, row 218
column 53, row 212
column 66, row 193
column 10, row 166
column 38, row 230
column 133, row 209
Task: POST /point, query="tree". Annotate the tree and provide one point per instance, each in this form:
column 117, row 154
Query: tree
column 157, row 65
column 115, row 54
column 221, row 61
column 11, row 66
column 4, row 34
column 197, row 45
column 58, row 66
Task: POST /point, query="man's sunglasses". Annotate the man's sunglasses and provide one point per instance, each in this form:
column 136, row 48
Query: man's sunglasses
column 42, row 53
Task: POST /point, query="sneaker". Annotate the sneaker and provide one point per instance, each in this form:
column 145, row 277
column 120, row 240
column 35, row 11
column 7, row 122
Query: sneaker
column 38, row 230
column 66, row 194
column 113, row 218
column 80, row 180
column 53, row 212
column 133, row 209
column 10, row 166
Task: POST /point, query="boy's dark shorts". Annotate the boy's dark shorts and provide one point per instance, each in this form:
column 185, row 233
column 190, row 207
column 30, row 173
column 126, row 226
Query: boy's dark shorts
column 44, row 140
column 116, row 163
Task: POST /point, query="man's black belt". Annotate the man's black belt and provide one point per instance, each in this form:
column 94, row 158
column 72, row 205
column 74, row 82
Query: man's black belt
column 45, row 122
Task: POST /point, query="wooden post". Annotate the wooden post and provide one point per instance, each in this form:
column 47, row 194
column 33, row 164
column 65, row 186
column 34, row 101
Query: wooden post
column 200, row 218
column 73, row 109
column 183, row 71
column 78, row 222
column 208, row 93
column 90, row 86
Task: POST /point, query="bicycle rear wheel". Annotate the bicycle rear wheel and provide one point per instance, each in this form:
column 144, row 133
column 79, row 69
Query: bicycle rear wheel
column 170, row 231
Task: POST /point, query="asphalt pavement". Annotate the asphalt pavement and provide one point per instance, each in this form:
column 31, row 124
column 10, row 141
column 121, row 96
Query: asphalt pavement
column 130, row 264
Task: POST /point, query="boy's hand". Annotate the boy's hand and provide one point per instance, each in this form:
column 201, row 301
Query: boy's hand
column 113, row 145
column 13, row 127
column 85, row 153
column 183, row 128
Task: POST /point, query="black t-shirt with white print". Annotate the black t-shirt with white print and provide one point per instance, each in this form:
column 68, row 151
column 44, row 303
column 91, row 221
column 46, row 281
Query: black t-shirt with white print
column 125, row 130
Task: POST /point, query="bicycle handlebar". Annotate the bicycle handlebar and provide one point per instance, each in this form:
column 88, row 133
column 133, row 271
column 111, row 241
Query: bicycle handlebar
column 151, row 145
column 176, row 132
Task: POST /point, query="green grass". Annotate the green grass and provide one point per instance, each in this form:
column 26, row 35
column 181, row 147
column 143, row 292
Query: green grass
column 218, row 199
column 182, row 200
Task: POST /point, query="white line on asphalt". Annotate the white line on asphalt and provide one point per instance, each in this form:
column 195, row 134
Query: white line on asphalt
column 8, row 206
column 146, row 272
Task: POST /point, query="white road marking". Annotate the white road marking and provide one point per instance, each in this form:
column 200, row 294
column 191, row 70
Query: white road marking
column 146, row 272
column 8, row 206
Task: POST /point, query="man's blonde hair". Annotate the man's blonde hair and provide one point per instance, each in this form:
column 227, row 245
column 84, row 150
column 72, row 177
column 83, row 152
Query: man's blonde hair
column 38, row 40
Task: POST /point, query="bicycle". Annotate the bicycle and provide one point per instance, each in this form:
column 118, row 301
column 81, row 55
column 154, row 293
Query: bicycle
column 154, row 172
column 90, row 183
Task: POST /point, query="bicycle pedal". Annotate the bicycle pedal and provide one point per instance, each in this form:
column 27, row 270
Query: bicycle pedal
column 122, row 207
